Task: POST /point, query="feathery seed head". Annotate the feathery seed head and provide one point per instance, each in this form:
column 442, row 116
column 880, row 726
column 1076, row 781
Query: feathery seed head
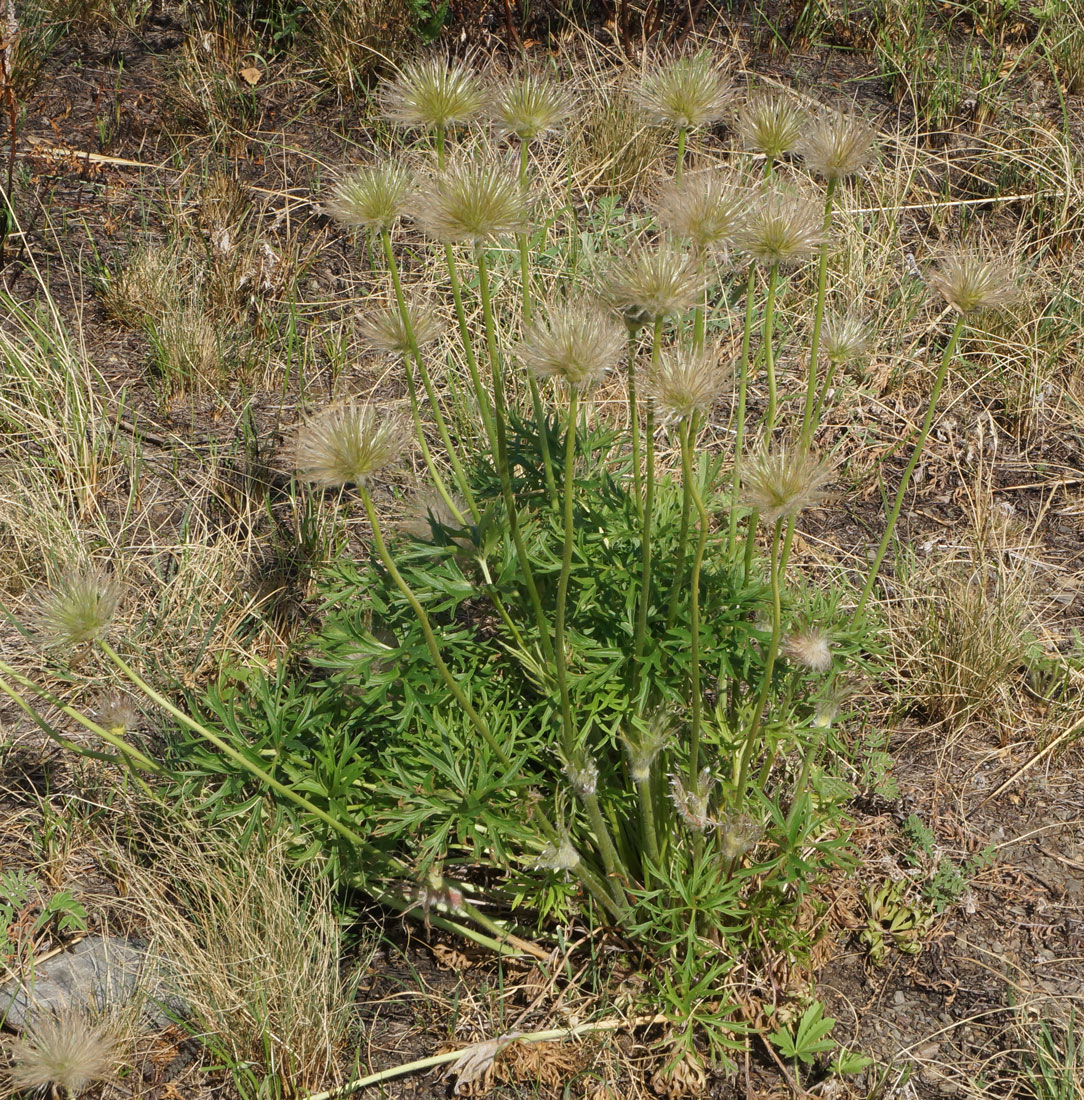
column 528, row 106
column 781, row 483
column 770, row 123
column 846, row 337
column 687, row 382
column 560, row 856
column 430, row 518
column 116, row 713
column 780, row 228
column 692, row 804
column 971, row 282
column 575, row 343
column 77, row 609
column 348, row 445
column 584, row 779
column 807, row 646
column 837, row 144
column 831, row 702
column 705, row 209
column 372, row 197
column 472, row 201
column 684, row 92
column 384, row 329
column 654, row 282
column 646, row 746
column 65, row 1053
column 432, row 94
column 739, row 834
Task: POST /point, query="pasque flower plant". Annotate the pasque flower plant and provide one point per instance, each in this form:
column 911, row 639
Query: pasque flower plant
column 595, row 669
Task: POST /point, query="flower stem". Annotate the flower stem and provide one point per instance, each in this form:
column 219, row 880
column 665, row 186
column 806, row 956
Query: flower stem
column 427, row 382
column 809, row 410
column 769, row 665
column 743, row 388
column 894, row 515
column 640, row 635
column 568, row 740
column 683, row 535
column 522, row 242
column 695, row 696
column 769, row 351
column 634, row 424
column 228, row 750
column 480, row 394
column 501, row 458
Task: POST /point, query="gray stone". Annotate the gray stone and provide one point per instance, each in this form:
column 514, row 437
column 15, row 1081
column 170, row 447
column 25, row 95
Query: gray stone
column 98, row 974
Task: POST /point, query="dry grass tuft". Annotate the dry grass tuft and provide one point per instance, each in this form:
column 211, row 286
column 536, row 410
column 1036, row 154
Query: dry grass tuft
column 256, row 950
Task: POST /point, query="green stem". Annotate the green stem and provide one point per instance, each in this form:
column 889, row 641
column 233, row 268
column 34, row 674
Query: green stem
column 683, row 536
column 743, row 388
column 769, row 351
column 228, row 750
column 610, row 859
column 479, row 723
column 640, row 635
column 522, row 241
column 480, row 394
column 430, row 391
column 131, row 754
column 680, row 162
column 822, row 396
column 501, row 457
column 647, row 822
column 769, row 667
column 894, row 515
column 695, row 695
column 809, row 410
column 634, row 424
column 567, row 733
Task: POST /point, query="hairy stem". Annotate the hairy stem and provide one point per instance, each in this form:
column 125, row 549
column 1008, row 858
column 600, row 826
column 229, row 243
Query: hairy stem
column 501, row 458
column 453, row 455
column 809, row 410
column 695, row 696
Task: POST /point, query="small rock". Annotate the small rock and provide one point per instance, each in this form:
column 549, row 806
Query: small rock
column 98, row 974
column 899, row 998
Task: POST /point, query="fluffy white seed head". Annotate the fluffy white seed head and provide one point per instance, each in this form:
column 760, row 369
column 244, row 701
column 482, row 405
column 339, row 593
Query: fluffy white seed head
column 686, row 382
column 684, row 92
column 705, row 209
column 574, row 343
column 837, row 144
column 781, row 228
column 348, row 445
column 66, row 1053
column 846, row 337
column 385, row 330
column 970, row 282
column 782, row 482
column 434, row 93
column 770, row 123
column 809, row 647
column 528, row 106
column 77, row 609
column 371, row 197
column 472, row 200
column 651, row 283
